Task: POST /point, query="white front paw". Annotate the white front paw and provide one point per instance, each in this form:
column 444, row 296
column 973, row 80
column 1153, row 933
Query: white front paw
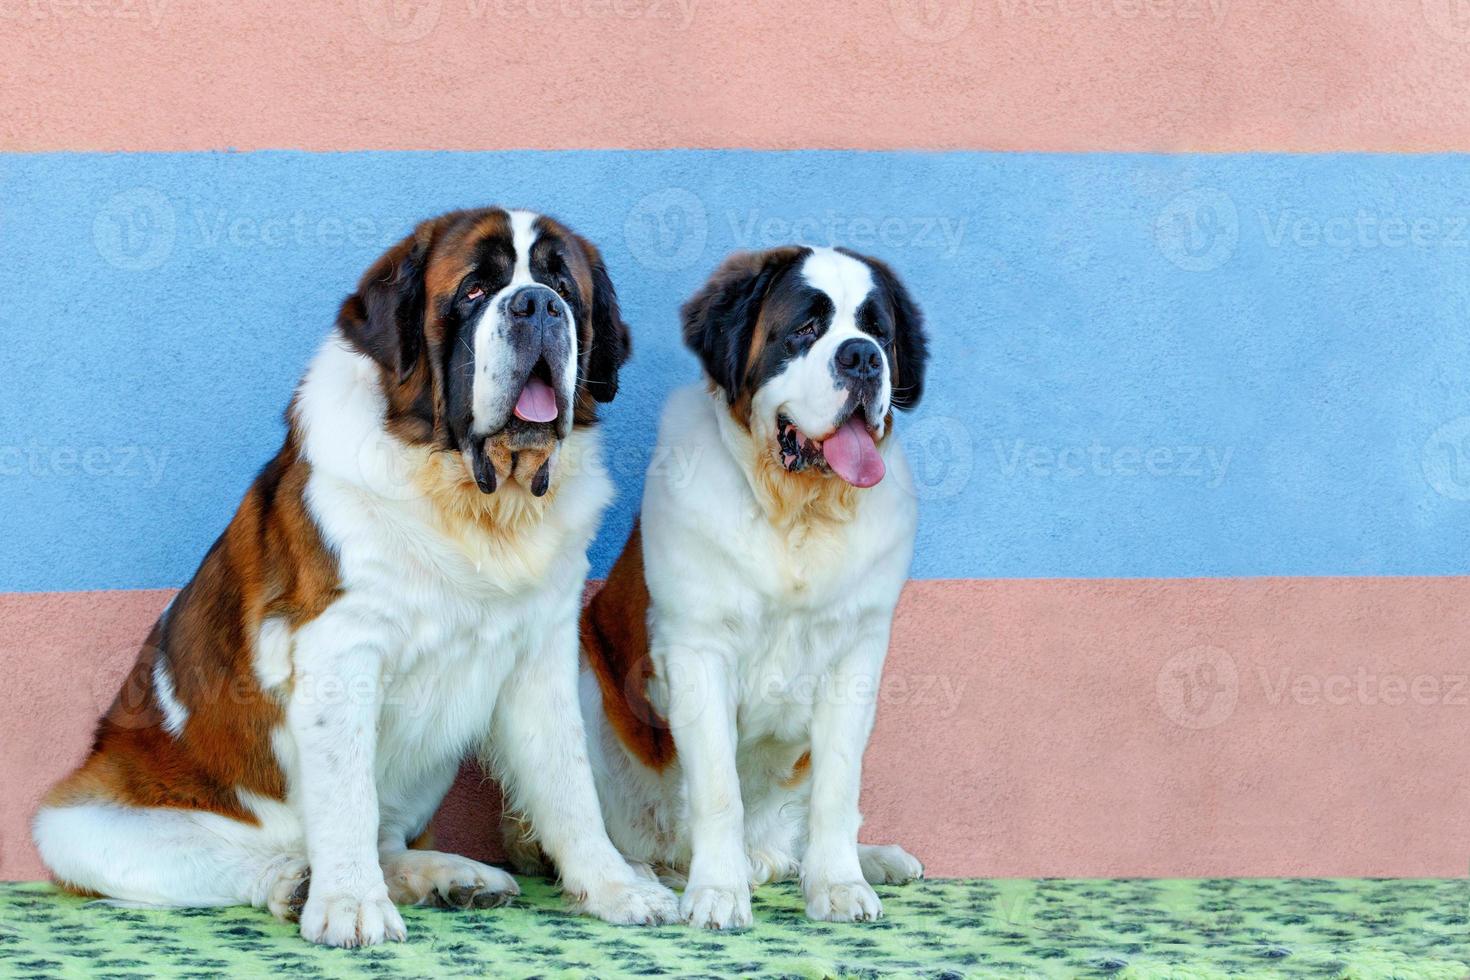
column 841, row 901
column 638, row 901
column 716, row 906
column 351, row 920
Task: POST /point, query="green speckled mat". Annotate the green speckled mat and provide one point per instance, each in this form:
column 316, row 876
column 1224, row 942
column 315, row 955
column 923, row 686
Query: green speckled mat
column 1409, row 929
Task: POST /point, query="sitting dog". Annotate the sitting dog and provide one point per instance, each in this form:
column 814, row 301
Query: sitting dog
column 733, row 657
column 401, row 583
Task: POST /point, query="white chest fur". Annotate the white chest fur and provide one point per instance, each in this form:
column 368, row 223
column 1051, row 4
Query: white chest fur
column 782, row 604
column 458, row 603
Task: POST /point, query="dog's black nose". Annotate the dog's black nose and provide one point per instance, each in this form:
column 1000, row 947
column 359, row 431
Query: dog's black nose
column 534, row 306
column 859, row 359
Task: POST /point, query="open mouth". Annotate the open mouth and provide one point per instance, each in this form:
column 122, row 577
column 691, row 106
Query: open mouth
column 850, row 451
column 524, row 448
column 537, row 400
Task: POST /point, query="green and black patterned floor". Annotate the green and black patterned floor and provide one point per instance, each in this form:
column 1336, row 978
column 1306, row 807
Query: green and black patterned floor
column 1365, row 930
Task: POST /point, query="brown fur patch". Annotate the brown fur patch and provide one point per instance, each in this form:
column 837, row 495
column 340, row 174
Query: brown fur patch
column 270, row 562
column 799, row 772
column 615, row 643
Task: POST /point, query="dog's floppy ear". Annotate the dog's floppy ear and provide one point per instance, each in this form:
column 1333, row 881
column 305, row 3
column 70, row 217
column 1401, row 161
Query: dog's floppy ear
column 720, row 319
column 910, row 344
column 384, row 319
column 612, row 344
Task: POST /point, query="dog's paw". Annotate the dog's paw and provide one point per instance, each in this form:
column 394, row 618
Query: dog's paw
column 352, row 920
column 716, row 906
column 287, row 894
column 635, row 901
column 768, row 865
column 888, row 864
column 446, row 881
column 841, row 901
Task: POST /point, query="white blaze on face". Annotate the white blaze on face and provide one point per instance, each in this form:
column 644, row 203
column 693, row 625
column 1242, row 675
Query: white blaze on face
column 496, row 383
column 807, row 391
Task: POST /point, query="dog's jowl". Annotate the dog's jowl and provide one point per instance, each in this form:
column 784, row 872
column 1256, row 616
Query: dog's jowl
column 401, row 584
column 733, row 658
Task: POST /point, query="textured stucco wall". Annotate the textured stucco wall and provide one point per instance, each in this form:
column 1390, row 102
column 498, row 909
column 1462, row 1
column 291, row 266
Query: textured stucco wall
column 1065, row 728
column 1168, row 75
column 1143, row 365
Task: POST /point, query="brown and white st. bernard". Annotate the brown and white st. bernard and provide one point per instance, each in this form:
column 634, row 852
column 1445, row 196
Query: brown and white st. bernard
column 401, row 583
column 733, row 656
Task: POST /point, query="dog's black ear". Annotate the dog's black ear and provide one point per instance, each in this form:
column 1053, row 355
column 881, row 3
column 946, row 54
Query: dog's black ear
column 612, row 344
column 384, row 319
column 720, row 319
column 910, row 343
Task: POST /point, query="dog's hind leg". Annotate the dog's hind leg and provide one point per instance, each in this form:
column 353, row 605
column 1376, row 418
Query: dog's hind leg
column 521, row 848
column 172, row 856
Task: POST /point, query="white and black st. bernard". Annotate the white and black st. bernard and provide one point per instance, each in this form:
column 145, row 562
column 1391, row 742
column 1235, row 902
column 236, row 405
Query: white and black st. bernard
column 402, row 583
column 733, row 656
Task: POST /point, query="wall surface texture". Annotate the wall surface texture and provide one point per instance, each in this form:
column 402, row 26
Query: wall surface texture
column 1192, row 589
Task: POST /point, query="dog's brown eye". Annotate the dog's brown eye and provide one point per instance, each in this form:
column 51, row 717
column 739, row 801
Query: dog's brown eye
column 808, row 329
column 476, row 292
column 564, row 290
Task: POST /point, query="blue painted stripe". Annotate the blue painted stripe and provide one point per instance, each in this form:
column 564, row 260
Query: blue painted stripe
column 1144, row 365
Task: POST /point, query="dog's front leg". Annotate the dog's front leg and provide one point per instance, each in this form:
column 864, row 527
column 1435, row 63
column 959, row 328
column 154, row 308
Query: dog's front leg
column 539, row 746
column 842, row 719
column 332, row 715
column 701, row 710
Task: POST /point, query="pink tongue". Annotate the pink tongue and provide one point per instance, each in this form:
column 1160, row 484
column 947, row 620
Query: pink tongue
column 537, row 402
column 853, row 455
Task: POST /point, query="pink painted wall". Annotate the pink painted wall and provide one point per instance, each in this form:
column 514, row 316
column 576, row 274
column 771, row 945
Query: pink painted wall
column 1065, row 727
column 1070, row 75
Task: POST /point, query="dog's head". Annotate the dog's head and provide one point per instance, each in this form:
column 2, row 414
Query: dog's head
column 813, row 349
column 496, row 331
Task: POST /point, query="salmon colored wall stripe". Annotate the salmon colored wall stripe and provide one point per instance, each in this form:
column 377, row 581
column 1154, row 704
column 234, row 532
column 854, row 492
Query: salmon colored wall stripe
column 1063, row 727
column 1067, row 75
